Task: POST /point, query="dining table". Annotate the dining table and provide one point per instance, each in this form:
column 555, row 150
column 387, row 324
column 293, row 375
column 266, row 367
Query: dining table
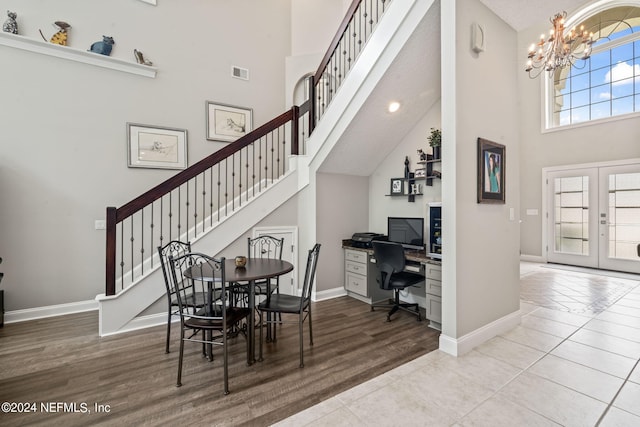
column 255, row 269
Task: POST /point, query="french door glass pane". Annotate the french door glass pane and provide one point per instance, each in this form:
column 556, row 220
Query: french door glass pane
column 624, row 215
column 572, row 215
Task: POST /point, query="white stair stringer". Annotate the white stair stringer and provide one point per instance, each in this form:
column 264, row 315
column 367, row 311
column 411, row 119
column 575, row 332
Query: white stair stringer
column 118, row 313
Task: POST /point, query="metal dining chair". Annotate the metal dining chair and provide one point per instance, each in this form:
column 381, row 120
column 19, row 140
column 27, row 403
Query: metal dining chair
column 217, row 319
column 294, row 305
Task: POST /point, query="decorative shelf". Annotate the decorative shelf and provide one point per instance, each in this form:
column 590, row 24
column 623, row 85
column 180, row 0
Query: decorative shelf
column 77, row 55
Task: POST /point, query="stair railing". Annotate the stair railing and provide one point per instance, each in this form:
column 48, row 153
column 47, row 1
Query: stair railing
column 355, row 30
column 196, row 199
column 193, row 201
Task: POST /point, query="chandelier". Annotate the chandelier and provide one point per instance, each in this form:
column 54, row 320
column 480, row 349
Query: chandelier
column 559, row 49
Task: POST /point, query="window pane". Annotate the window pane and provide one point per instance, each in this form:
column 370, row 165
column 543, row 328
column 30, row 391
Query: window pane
column 599, row 60
column 580, row 82
column 600, row 76
column 580, row 99
column 601, row 93
column 580, row 114
column 621, row 53
column 600, row 110
column 622, row 106
column 622, row 88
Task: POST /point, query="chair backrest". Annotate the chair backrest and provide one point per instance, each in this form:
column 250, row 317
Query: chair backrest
column 192, row 273
column 310, row 274
column 389, row 260
column 174, row 248
column 265, row 246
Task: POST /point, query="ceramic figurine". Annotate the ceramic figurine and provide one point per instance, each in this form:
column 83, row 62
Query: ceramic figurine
column 103, row 47
column 10, row 25
column 140, row 58
column 422, row 154
column 61, row 36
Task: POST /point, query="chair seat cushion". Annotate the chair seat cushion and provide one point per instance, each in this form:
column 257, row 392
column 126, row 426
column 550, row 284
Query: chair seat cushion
column 234, row 315
column 282, row 303
column 404, row 279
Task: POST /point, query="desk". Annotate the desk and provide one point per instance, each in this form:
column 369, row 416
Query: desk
column 256, row 269
column 361, row 272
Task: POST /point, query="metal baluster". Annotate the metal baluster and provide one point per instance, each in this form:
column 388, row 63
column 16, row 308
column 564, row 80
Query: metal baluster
column 195, row 207
column 151, row 233
column 131, row 239
column 141, row 245
column 121, row 255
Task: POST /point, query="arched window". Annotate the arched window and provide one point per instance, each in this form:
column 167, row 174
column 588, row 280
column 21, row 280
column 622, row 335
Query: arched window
column 608, row 83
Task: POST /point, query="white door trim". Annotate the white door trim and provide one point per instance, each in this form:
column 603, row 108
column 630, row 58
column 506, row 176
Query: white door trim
column 293, row 230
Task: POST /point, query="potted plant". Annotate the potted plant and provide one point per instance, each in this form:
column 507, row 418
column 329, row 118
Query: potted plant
column 435, row 139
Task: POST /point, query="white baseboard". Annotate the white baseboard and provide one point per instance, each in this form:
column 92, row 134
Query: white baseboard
column 532, row 258
column 49, row 311
column 329, row 294
column 466, row 343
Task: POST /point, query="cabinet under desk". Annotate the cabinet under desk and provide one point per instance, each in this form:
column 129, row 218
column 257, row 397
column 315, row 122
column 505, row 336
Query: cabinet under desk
column 360, row 273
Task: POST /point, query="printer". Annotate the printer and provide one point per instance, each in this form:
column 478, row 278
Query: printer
column 363, row 240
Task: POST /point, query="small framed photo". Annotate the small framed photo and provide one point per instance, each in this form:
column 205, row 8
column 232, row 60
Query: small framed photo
column 227, row 123
column 491, row 172
column 156, row 147
column 420, row 173
column 397, row 186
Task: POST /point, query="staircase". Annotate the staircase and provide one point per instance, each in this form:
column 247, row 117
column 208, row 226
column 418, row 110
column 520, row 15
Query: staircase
column 215, row 201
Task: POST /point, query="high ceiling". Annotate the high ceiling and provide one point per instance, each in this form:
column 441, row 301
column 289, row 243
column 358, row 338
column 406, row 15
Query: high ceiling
column 523, row 14
column 414, row 79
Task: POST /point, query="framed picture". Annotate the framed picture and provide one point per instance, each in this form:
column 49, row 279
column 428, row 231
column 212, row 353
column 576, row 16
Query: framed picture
column 227, row 123
column 491, row 171
column 397, row 186
column 156, row 147
column 420, row 173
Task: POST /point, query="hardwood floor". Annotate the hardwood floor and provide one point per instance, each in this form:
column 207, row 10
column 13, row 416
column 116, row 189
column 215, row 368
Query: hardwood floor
column 62, row 359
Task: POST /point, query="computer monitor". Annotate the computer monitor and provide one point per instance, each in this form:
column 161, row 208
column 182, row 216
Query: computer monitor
column 408, row 231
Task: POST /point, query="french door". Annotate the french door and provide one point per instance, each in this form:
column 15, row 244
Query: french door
column 594, row 217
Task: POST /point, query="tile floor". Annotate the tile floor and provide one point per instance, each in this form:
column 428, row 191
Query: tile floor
column 573, row 361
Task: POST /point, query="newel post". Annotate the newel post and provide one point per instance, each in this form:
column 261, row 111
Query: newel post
column 295, row 130
column 110, row 282
column 312, row 103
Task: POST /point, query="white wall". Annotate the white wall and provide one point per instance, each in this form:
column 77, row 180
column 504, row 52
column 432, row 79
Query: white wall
column 341, row 209
column 480, row 257
column 611, row 140
column 63, row 138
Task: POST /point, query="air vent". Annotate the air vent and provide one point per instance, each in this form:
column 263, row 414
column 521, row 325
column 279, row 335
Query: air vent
column 239, row 73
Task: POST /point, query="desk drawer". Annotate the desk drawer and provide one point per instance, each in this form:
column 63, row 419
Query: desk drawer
column 434, row 287
column 355, row 267
column 356, row 283
column 433, row 272
column 357, row 256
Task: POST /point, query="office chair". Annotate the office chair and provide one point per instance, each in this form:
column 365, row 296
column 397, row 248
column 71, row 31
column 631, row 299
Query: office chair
column 390, row 261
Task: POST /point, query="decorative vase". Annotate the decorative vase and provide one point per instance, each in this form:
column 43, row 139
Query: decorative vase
column 241, row 261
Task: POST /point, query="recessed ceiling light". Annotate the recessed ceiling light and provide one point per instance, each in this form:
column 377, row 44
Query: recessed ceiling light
column 394, row 106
